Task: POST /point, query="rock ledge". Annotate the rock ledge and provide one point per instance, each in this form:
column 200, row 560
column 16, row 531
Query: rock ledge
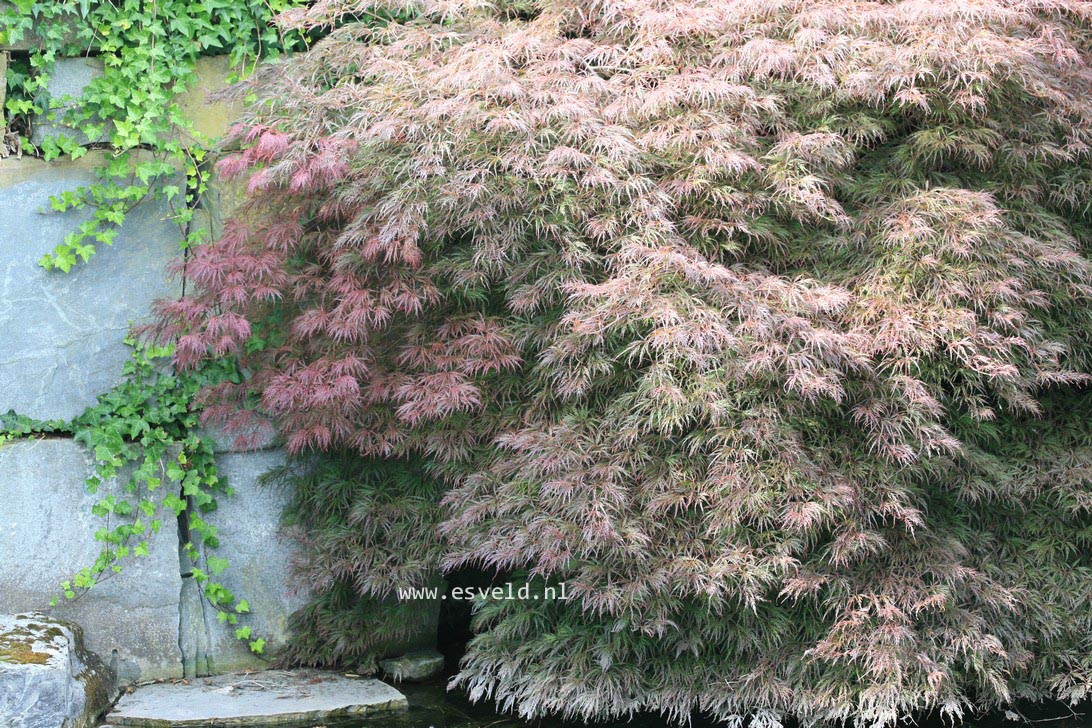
column 272, row 698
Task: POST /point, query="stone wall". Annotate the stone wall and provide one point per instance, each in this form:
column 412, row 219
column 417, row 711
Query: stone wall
column 61, row 345
column 62, row 334
column 46, row 536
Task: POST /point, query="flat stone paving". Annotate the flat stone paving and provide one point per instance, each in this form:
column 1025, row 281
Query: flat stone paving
column 271, row 698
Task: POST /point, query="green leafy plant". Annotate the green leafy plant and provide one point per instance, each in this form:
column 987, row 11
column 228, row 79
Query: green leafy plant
column 149, row 53
column 143, row 434
column 143, row 431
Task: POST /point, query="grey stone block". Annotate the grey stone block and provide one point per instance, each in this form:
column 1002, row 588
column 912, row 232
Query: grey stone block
column 47, row 534
column 413, row 666
column 259, row 553
column 193, row 628
column 261, row 436
column 61, row 334
column 210, row 119
column 302, row 698
column 47, row 678
column 69, row 78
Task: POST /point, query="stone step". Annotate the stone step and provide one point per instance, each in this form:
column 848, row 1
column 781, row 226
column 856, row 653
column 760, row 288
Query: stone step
column 270, row 698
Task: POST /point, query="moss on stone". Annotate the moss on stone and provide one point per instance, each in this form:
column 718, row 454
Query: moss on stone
column 17, row 648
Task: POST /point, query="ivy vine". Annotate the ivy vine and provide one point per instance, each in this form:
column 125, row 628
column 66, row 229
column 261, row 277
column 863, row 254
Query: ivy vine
column 149, row 52
column 144, row 434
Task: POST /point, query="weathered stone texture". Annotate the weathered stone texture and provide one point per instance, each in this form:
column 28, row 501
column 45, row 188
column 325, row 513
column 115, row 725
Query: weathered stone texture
column 303, row 698
column 259, row 553
column 69, row 78
column 47, row 678
column 261, row 435
column 413, row 666
column 193, row 626
column 218, row 204
column 210, row 119
column 62, row 334
column 47, row 535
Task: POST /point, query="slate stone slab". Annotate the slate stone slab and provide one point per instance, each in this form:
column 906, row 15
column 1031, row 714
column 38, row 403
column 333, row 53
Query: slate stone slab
column 47, row 678
column 259, row 435
column 259, row 553
column 256, row 699
column 194, row 627
column 67, row 81
column 46, row 535
column 413, row 666
column 210, row 119
column 61, row 334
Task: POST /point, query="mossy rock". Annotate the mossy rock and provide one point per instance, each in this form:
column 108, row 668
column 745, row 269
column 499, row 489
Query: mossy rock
column 19, row 646
column 47, row 678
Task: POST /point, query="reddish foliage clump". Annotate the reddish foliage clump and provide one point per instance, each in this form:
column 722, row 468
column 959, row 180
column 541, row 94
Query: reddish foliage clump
column 762, row 324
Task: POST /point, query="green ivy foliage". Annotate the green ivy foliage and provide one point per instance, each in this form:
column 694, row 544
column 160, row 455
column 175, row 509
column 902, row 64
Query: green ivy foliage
column 143, row 433
column 149, row 52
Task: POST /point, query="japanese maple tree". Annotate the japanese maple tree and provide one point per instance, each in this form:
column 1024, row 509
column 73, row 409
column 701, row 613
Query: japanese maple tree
column 763, row 325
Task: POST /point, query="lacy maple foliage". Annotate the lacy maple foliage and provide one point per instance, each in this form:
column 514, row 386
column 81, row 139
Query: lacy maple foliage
column 763, row 325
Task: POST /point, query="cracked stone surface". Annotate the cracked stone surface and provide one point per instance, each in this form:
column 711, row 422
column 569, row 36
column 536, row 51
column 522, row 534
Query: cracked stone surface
column 256, row 699
column 47, row 678
column 149, row 622
column 261, row 435
column 149, row 619
column 62, row 334
column 47, row 534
